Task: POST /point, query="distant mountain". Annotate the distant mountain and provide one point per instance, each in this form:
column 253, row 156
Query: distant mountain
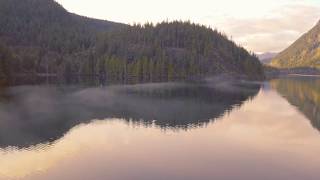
column 305, row 52
column 43, row 38
column 266, row 58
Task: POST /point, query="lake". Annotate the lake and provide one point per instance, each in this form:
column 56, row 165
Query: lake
column 161, row 131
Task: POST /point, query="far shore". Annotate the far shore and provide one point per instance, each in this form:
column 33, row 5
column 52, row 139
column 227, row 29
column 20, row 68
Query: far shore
column 307, row 75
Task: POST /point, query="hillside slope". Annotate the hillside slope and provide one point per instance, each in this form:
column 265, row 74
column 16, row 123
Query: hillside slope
column 42, row 34
column 173, row 50
column 44, row 39
column 305, row 52
column 47, row 24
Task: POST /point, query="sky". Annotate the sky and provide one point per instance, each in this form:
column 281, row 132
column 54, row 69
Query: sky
column 258, row 25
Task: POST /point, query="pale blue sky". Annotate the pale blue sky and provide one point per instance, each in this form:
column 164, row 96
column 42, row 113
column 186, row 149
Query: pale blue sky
column 258, row 25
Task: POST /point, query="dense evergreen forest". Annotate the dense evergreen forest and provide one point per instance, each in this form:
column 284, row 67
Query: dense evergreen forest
column 6, row 57
column 41, row 37
column 172, row 50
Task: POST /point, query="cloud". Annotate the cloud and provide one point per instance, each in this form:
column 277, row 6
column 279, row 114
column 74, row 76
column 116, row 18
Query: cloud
column 259, row 25
column 275, row 31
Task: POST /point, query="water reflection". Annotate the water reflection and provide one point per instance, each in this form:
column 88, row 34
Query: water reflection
column 304, row 93
column 252, row 142
column 38, row 114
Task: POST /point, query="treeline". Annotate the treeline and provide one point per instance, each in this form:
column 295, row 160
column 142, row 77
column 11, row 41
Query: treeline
column 46, row 39
column 43, row 35
column 169, row 51
column 47, row 25
column 6, row 59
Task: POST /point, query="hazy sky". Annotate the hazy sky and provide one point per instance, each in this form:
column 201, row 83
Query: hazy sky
column 259, row 25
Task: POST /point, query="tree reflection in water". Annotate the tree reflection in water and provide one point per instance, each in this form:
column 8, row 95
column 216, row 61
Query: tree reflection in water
column 303, row 93
column 37, row 114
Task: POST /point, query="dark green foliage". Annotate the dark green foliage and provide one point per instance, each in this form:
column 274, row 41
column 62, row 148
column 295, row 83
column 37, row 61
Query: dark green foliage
column 6, row 61
column 175, row 50
column 46, row 24
column 48, row 40
column 45, row 37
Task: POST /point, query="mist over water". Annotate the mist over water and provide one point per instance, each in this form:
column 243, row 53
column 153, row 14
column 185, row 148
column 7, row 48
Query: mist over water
column 218, row 129
column 35, row 114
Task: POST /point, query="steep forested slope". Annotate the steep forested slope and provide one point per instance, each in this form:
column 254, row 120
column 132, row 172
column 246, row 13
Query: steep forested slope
column 305, row 52
column 45, row 39
column 47, row 24
column 172, row 50
column 6, row 57
column 42, row 33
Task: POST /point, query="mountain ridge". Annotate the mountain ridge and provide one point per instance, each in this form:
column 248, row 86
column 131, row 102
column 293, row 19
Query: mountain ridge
column 266, row 57
column 304, row 52
column 45, row 38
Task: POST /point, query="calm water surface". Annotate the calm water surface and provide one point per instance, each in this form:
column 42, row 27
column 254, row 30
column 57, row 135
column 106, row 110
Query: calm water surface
column 162, row 131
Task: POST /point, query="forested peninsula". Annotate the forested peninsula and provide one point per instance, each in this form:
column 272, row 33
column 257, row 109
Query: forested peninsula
column 39, row 37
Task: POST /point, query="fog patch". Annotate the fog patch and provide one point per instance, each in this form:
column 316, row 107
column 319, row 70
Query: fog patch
column 34, row 114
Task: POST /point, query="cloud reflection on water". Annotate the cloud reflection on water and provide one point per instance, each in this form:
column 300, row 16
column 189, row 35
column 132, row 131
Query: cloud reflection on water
column 252, row 142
